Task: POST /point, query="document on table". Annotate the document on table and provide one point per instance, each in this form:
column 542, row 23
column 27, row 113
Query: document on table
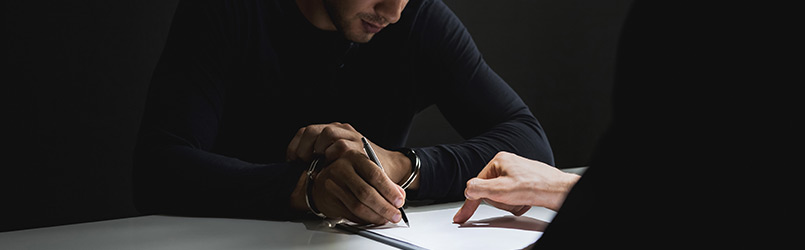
column 489, row 228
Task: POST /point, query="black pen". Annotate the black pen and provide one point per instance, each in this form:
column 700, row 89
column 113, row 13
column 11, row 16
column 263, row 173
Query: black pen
column 372, row 156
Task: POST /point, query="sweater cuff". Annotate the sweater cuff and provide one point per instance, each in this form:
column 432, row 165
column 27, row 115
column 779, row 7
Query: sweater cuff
column 428, row 159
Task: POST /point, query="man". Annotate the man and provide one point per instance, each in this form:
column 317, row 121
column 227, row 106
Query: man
column 247, row 94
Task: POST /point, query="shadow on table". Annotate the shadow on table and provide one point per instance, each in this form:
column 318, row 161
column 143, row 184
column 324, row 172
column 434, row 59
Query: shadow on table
column 509, row 221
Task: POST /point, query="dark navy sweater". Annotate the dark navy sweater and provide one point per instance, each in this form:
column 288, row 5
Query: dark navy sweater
column 237, row 79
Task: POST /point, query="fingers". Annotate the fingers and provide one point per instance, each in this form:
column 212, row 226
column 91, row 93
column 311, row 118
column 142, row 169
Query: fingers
column 351, row 208
column 339, row 148
column 355, row 188
column 402, row 191
column 516, row 210
column 368, row 196
column 497, row 192
column 361, row 190
column 470, row 206
column 318, row 139
column 304, row 150
column 494, row 189
column 377, row 178
column 339, row 136
column 301, row 146
column 522, row 210
column 466, row 211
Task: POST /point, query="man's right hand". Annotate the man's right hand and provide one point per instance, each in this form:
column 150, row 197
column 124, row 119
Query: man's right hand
column 353, row 187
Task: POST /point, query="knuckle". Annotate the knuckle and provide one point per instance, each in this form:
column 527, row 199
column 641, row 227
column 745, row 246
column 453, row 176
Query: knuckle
column 327, row 131
column 338, row 148
column 377, row 176
column 308, row 130
column 348, row 126
column 510, row 156
column 500, row 157
column 357, row 208
column 313, row 129
column 363, row 194
column 356, row 154
column 470, row 192
column 501, row 154
column 341, row 142
column 385, row 210
column 470, row 185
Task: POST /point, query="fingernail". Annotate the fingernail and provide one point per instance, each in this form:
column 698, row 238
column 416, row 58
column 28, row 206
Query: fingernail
column 396, row 218
column 398, row 202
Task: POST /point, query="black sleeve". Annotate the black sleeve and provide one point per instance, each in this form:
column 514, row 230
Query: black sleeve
column 175, row 171
column 476, row 102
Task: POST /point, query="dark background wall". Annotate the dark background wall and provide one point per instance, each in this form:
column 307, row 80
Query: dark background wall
column 75, row 75
column 558, row 55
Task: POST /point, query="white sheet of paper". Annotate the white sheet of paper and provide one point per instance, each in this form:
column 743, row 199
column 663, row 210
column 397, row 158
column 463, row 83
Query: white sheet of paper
column 489, row 228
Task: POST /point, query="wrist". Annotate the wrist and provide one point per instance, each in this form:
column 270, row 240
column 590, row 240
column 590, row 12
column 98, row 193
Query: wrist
column 570, row 181
column 565, row 185
column 397, row 166
column 411, row 181
column 402, row 167
column 309, row 182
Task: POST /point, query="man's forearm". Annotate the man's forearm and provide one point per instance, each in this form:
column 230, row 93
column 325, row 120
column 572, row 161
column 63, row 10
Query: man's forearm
column 182, row 180
column 446, row 168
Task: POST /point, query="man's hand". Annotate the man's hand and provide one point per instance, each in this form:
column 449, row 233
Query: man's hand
column 351, row 186
column 334, row 139
column 330, row 140
column 514, row 184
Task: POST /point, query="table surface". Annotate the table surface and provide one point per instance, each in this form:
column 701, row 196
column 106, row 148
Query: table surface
column 175, row 232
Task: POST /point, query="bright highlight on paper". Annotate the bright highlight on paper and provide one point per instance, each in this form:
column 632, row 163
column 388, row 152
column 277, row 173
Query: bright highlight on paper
column 489, row 228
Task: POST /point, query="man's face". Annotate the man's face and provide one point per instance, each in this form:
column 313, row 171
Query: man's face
column 359, row 20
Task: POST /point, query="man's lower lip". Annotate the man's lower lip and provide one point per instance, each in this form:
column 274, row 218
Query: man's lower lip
column 370, row 28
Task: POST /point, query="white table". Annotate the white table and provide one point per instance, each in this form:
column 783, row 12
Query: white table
column 172, row 232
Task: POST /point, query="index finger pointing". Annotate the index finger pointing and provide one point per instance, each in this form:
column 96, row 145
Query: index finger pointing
column 466, row 211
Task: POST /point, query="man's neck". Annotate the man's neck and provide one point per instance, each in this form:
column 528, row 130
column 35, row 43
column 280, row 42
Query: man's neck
column 315, row 13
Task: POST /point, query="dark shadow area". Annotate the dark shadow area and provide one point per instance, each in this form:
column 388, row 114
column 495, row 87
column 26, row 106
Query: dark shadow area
column 509, row 221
